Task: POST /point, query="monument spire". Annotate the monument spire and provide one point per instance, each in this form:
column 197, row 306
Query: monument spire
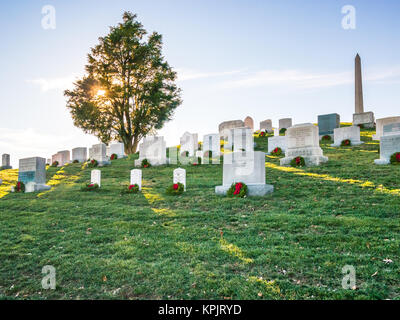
column 359, row 103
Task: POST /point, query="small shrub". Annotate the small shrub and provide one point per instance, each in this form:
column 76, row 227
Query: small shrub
column 238, row 190
column 175, row 189
column 298, row 162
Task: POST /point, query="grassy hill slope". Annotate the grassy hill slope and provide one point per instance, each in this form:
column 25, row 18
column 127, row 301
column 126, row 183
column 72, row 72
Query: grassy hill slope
column 288, row 245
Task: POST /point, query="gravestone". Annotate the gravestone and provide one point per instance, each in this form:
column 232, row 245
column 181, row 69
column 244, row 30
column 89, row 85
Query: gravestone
column 79, row 154
column 189, row 142
column 285, row 123
column 211, row 142
column 48, row 161
column 266, row 125
column 136, row 177
column 117, row 148
column 32, row 171
column 91, row 153
column 246, row 167
column 5, row 162
column 180, row 177
column 56, row 157
column 380, row 123
column 352, row 133
column 243, row 139
column 99, row 153
column 303, row 140
column 275, row 142
column 153, row 149
column 62, row 157
column 389, row 144
column 249, row 123
column 95, row 177
column 327, row 123
column 226, row 126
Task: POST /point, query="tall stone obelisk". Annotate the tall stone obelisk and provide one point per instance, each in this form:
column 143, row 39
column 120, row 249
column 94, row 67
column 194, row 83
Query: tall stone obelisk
column 358, row 84
column 367, row 119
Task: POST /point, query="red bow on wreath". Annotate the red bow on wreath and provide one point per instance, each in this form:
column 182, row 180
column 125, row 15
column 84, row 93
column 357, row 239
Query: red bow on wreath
column 238, row 187
column 176, row 186
column 298, row 160
column 398, row 157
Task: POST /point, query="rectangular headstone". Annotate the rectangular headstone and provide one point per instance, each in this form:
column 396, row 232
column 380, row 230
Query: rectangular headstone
column 245, row 167
column 99, row 153
column 327, row 123
column 211, row 142
column 266, row 125
column 367, row 119
column 243, row 139
column 351, row 133
column 79, row 154
column 389, row 144
column 180, row 176
column 285, row 123
column 65, row 157
column 5, row 161
column 117, row 148
column 95, row 177
column 154, row 150
column 275, row 142
column 32, row 172
column 303, row 141
column 189, row 142
column 136, row 177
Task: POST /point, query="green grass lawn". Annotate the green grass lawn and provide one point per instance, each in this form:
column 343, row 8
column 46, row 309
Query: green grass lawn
column 291, row 244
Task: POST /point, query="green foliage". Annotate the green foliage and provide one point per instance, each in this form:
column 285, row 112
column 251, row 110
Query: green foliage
column 282, row 131
column 237, row 190
column 55, row 164
column 114, row 156
column 185, row 154
column 395, row 158
column 90, row 187
column 298, row 162
column 133, row 188
column 19, row 187
column 345, row 143
column 326, row 138
column 75, row 161
column 129, row 89
column 175, row 189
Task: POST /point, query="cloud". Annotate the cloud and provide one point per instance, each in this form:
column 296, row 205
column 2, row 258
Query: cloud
column 300, row 79
column 187, row 74
column 61, row 83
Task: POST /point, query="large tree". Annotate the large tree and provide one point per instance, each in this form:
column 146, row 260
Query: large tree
column 128, row 90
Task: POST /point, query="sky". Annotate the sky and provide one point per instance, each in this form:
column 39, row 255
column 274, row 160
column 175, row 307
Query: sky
column 264, row 59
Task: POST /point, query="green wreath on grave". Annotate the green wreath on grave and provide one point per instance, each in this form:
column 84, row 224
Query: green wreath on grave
column 145, row 163
column 237, row 190
column 55, row 164
column 395, row 158
column 92, row 164
column 282, row 131
column 262, row 134
column 276, row 152
column 298, row 162
column 346, row 143
column 90, row 187
column 133, row 188
column 175, row 189
column 75, row 161
column 114, row 156
column 326, row 137
column 19, row 187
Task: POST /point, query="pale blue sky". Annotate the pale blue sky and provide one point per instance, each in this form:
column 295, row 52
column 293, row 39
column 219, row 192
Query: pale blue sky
column 266, row 59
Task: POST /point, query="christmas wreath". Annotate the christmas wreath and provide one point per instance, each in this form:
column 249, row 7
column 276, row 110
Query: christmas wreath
column 19, row 187
column 298, row 162
column 238, row 189
column 133, row 188
column 326, row 137
column 282, row 131
column 395, row 158
column 92, row 163
column 277, row 151
column 262, row 134
column 346, row 143
column 90, row 187
column 55, row 164
column 145, row 163
column 176, row 189
column 114, row 156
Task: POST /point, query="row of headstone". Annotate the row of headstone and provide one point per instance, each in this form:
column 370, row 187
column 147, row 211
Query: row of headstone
column 98, row 152
column 179, row 176
column 386, row 126
column 62, row 157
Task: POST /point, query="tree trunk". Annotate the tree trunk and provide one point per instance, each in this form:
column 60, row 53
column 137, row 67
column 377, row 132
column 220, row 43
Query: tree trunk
column 130, row 148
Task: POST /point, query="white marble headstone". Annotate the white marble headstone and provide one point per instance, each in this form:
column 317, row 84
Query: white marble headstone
column 96, row 177
column 136, row 177
column 180, row 176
